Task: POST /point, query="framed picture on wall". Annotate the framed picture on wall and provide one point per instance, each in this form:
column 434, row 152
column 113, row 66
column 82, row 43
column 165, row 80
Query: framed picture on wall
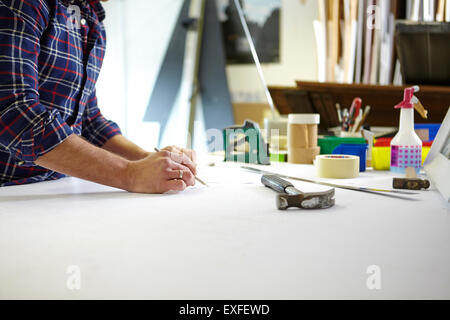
column 437, row 164
column 263, row 19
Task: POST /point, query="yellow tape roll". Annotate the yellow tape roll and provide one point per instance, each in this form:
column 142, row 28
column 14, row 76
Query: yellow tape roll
column 337, row 166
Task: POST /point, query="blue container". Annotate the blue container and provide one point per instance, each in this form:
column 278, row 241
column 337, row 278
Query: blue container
column 359, row 150
column 433, row 129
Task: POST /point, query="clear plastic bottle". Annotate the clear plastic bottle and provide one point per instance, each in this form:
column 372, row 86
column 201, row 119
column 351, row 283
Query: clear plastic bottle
column 406, row 147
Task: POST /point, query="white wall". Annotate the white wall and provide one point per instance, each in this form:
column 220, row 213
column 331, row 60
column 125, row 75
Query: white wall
column 111, row 86
column 138, row 35
column 297, row 49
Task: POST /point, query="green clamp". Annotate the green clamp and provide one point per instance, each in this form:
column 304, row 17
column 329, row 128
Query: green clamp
column 246, row 144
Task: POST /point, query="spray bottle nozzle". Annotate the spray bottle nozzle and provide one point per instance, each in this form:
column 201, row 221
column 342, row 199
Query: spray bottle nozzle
column 407, row 98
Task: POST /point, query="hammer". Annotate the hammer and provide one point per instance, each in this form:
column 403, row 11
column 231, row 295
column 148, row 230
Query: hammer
column 290, row 197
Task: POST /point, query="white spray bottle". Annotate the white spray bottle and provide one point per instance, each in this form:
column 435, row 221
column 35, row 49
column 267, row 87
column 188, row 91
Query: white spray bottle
column 406, row 147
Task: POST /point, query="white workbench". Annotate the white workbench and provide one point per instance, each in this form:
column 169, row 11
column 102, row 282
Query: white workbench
column 227, row 241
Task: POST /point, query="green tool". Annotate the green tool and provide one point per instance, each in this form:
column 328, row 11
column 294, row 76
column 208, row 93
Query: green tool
column 246, row 144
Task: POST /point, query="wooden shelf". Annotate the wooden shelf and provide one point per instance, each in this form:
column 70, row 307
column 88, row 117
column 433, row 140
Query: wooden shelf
column 321, row 98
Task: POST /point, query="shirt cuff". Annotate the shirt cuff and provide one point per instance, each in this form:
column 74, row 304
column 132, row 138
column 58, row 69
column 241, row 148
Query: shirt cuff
column 100, row 131
column 42, row 138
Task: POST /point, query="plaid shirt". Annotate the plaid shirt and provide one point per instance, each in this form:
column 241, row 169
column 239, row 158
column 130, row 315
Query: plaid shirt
column 50, row 59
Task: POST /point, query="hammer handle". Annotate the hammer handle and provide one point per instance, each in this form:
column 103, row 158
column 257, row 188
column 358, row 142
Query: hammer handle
column 275, row 183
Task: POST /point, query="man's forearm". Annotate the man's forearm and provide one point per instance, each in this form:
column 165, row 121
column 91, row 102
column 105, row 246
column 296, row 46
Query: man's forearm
column 125, row 148
column 77, row 157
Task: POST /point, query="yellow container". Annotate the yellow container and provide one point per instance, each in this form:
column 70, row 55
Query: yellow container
column 381, row 157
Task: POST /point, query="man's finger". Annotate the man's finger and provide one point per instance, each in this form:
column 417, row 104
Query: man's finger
column 191, row 154
column 183, row 159
column 186, row 175
column 175, row 185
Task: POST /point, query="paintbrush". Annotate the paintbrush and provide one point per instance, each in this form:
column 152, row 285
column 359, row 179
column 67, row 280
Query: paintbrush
column 363, row 119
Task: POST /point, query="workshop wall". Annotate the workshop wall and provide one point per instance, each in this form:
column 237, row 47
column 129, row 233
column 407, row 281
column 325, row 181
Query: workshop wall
column 138, row 35
column 297, row 50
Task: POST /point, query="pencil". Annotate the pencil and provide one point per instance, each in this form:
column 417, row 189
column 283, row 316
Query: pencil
column 196, row 178
column 364, row 117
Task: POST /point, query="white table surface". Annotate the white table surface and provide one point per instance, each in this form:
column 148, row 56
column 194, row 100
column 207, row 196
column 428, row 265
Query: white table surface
column 227, row 241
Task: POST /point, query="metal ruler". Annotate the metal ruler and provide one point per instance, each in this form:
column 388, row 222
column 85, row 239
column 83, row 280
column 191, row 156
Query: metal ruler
column 381, row 192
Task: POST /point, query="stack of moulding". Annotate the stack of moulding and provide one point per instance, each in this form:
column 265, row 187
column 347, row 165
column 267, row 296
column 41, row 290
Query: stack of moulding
column 302, row 138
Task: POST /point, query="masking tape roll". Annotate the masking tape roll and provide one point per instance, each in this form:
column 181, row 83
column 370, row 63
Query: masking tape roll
column 337, row 166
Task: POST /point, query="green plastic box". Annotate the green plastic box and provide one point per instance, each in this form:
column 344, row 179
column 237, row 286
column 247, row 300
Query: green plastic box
column 328, row 144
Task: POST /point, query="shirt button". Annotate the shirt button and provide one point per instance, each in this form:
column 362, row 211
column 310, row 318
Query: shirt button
column 83, row 21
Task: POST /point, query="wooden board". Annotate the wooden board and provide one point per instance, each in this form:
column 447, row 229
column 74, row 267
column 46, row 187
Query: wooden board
column 324, row 96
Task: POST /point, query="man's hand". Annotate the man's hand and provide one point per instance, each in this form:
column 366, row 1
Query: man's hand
column 160, row 171
column 156, row 173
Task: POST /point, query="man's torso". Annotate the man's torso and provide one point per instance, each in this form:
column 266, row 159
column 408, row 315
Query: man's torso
column 72, row 48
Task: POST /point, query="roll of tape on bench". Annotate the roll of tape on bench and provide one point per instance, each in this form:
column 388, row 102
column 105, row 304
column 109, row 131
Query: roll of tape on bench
column 337, row 166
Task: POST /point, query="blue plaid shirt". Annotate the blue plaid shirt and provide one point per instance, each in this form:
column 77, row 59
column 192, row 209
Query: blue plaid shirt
column 51, row 52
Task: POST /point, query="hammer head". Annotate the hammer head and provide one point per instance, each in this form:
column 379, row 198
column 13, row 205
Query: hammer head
column 316, row 200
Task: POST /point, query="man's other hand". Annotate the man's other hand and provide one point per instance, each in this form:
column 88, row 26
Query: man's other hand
column 188, row 152
column 160, row 171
